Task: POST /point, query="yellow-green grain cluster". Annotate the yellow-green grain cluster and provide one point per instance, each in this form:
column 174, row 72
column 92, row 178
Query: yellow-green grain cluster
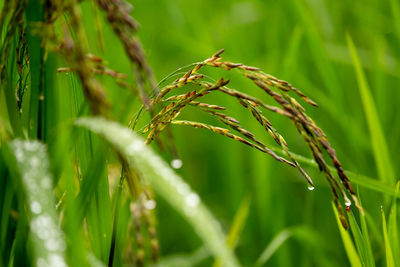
column 287, row 106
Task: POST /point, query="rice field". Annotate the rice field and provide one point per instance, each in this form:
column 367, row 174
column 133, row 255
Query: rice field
column 207, row 133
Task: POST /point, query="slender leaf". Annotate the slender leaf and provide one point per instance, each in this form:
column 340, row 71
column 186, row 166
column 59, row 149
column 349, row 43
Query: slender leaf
column 388, row 247
column 365, row 233
column 395, row 8
column 238, row 223
column 318, row 51
column 361, row 244
column 34, row 14
column 237, row 226
column 48, row 239
column 392, row 227
column 7, row 201
column 347, row 242
column 273, row 246
column 379, row 144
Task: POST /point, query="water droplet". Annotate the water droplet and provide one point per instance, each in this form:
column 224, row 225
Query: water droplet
column 43, row 234
column 32, row 146
column 182, row 188
column 125, row 134
column 41, row 262
column 311, row 188
column 53, row 244
column 34, row 162
column 150, row 204
column 176, row 163
column 19, row 155
column 192, row 200
column 36, row 207
column 42, row 226
column 136, row 146
column 46, row 182
column 56, row 261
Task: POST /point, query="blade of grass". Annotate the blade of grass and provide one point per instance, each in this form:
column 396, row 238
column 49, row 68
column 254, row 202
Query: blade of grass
column 94, row 202
column 98, row 215
column 237, row 226
column 19, row 254
column 361, row 244
column 348, row 244
column 10, row 100
column 18, row 242
column 273, row 246
column 388, row 247
column 48, row 239
column 50, row 104
column 379, row 144
column 7, row 224
column 34, row 14
column 365, row 234
column 395, row 8
column 318, row 51
column 315, row 245
column 290, row 60
column 238, row 223
column 392, row 226
column 166, row 183
column 304, row 235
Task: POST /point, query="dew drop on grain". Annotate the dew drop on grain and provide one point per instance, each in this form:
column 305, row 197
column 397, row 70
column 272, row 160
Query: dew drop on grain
column 150, row 204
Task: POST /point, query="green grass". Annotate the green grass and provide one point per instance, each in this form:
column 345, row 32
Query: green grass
column 379, row 144
column 351, row 251
column 105, row 203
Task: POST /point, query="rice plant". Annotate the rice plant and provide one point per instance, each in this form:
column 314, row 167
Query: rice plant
column 93, row 156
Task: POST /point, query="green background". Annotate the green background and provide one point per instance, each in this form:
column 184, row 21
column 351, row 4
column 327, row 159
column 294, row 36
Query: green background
column 304, row 43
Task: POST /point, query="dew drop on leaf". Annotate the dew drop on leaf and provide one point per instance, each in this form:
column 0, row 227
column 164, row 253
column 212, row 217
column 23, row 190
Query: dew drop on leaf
column 192, row 200
column 176, row 163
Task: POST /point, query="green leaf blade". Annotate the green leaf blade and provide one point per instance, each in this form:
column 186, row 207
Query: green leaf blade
column 379, row 144
column 48, row 239
column 388, row 247
column 347, row 242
